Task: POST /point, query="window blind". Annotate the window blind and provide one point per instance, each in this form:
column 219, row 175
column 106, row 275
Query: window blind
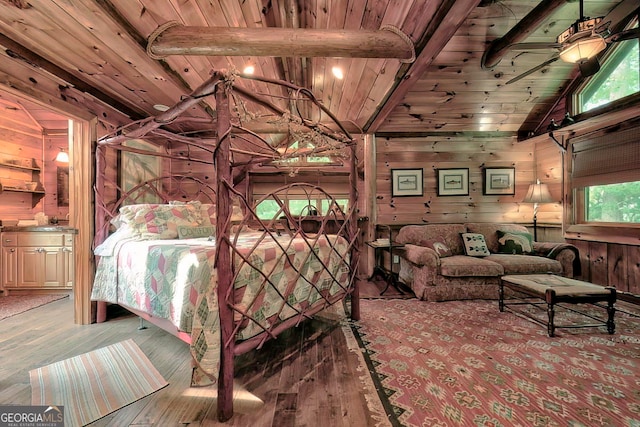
column 606, row 158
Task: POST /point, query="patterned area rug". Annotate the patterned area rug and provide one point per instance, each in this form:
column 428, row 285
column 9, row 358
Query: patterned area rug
column 16, row 304
column 97, row 383
column 463, row 363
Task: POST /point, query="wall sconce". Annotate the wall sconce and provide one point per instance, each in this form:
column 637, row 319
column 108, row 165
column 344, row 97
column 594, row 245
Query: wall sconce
column 63, row 156
column 537, row 193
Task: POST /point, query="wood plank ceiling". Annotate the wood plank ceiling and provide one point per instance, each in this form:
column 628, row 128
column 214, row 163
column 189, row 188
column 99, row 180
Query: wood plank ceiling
column 100, row 47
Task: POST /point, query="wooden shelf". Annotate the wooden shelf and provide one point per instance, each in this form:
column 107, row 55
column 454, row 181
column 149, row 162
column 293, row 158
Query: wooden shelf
column 28, row 167
column 21, row 190
column 15, row 166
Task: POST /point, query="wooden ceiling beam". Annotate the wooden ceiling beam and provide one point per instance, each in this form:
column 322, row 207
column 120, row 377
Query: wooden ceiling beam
column 22, row 54
column 284, row 42
column 499, row 47
column 449, row 17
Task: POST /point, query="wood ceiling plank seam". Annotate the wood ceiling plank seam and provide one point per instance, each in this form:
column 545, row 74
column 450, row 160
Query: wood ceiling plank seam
column 293, row 66
column 111, row 90
column 380, row 88
column 353, row 77
column 316, row 14
column 252, row 12
column 396, row 13
column 205, row 14
column 319, row 77
column 452, row 15
column 333, row 92
column 36, row 42
column 46, row 91
column 446, row 83
column 145, row 16
column 274, row 16
column 418, row 18
column 120, row 43
column 354, row 16
column 370, row 73
column 196, row 68
column 62, row 77
column 338, row 14
column 189, row 13
column 373, row 13
column 401, row 18
column 232, row 12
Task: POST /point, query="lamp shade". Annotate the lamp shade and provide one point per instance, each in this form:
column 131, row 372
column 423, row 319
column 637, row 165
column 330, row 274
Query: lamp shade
column 62, row 157
column 538, row 193
column 583, row 49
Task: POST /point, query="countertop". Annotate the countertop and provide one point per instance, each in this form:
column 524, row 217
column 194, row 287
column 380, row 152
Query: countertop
column 40, row 228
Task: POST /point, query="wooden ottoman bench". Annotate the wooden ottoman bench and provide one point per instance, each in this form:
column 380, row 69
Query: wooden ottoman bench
column 552, row 290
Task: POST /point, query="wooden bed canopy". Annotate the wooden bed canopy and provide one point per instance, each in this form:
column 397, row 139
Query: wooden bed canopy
column 226, row 143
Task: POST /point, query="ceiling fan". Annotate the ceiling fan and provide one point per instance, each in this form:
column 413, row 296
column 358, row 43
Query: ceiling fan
column 585, row 39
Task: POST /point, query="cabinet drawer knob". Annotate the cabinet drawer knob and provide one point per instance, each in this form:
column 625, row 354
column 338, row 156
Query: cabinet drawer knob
column 12, row 250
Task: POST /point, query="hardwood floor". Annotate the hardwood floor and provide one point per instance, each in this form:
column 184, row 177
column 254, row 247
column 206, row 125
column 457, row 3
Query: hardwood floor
column 307, row 377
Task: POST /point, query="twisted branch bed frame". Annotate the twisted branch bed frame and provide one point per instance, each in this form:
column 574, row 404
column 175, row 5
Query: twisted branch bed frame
column 110, row 197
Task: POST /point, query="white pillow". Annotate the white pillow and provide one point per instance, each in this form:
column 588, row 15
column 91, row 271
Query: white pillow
column 474, row 244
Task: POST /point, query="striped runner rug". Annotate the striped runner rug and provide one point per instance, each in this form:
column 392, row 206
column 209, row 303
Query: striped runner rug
column 94, row 384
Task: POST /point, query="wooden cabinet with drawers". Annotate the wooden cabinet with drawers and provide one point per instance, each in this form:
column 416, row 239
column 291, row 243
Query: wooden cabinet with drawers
column 37, row 260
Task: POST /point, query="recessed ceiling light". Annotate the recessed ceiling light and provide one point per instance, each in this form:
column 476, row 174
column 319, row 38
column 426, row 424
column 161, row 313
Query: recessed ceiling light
column 249, row 69
column 337, row 72
column 161, row 107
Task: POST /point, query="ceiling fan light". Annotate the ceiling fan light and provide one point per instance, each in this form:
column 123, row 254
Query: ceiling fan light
column 583, row 49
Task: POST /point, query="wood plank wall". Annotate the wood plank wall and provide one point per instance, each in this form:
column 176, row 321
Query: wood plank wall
column 433, row 152
column 23, row 139
column 610, row 264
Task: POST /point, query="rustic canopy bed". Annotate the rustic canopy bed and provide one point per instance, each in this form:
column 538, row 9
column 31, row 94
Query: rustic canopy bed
column 235, row 280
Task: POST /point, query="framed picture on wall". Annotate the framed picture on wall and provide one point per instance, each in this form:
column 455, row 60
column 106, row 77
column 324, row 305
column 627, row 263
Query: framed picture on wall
column 453, row 182
column 406, row 182
column 499, row 181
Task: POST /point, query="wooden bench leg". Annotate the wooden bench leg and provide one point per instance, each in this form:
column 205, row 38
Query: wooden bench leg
column 611, row 311
column 550, row 296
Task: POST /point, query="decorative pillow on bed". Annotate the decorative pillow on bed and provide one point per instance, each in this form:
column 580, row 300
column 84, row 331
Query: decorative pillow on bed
column 474, row 244
column 514, row 242
column 186, row 232
column 155, row 221
column 440, row 246
column 208, row 213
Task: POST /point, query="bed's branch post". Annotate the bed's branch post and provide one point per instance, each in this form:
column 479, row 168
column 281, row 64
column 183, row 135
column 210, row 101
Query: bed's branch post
column 100, row 219
column 222, row 166
column 353, row 233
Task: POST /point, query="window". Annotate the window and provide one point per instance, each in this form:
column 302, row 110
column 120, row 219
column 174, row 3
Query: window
column 618, row 203
column 605, row 170
column 267, row 209
column 619, row 77
column 605, row 177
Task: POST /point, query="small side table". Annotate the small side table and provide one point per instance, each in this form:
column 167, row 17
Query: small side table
column 380, row 247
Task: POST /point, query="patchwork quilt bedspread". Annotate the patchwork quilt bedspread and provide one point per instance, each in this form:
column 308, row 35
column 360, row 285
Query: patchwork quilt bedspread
column 175, row 280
